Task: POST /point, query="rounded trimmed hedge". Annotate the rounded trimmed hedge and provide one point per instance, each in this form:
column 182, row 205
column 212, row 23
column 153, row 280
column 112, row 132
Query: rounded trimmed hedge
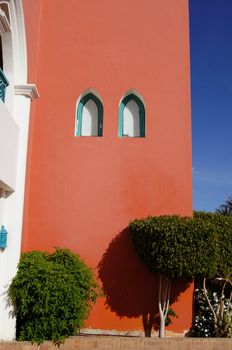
column 51, row 295
column 195, row 248
column 176, row 246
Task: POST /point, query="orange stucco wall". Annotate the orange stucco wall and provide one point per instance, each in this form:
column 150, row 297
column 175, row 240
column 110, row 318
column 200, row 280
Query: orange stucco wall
column 32, row 16
column 81, row 192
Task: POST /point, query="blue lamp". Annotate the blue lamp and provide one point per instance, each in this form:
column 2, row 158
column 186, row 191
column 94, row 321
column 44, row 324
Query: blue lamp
column 3, row 238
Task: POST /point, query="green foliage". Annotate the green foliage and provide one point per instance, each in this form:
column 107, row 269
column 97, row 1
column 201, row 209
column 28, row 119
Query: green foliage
column 161, row 243
column 203, row 323
column 177, row 246
column 51, row 295
column 198, row 247
column 222, row 228
column 204, row 245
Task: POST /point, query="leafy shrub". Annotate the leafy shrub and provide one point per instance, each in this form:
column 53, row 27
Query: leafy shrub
column 203, row 320
column 51, row 295
column 203, row 323
column 222, row 226
column 216, row 299
column 175, row 247
column 163, row 243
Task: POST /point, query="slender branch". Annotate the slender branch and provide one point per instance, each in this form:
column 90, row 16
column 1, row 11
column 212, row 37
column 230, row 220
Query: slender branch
column 162, row 293
column 168, row 297
column 165, row 296
column 223, row 300
column 222, row 309
column 160, row 301
column 209, row 303
column 164, row 307
column 220, row 304
column 166, row 289
column 162, row 320
column 223, row 288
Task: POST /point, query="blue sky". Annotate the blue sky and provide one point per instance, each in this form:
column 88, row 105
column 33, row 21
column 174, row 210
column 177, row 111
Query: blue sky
column 211, row 89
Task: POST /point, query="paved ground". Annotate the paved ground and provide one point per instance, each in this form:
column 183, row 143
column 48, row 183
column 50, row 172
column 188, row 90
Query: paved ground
column 104, row 342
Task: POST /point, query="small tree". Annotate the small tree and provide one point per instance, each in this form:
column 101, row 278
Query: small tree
column 51, row 295
column 174, row 247
column 221, row 310
column 160, row 245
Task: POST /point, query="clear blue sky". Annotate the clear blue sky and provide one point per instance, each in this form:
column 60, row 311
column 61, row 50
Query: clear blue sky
column 211, row 88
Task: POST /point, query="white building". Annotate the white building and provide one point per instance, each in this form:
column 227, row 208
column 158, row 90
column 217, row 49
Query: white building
column 15, row 100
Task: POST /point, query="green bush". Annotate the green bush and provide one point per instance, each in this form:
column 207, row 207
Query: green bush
column 164, row 244
column 161, row 243
column 203, row 323
column 51, row 295
column 222, row 226
column 175, row 247
column 213, row 305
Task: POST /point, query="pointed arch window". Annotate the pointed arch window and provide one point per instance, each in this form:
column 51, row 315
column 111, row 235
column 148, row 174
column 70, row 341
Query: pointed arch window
column 131, row 117
column 89, row 116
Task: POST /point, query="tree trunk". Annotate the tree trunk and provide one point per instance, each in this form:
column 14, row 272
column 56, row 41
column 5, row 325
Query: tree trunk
column 148, row 322
column 162, row 327
column 164, row 298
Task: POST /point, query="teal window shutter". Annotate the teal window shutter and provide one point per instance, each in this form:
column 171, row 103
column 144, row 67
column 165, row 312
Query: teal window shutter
column 81, row 104
column 123, row 103
column 3, row 85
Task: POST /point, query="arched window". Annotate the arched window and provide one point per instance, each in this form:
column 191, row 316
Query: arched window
column 131, row 117
column 89, row 116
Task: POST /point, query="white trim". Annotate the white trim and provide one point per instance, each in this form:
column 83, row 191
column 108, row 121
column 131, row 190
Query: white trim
column 18, row 38
column 136, row 93
column 27, row 90
column 4, row 23
column 11, row 208
column 84, row 93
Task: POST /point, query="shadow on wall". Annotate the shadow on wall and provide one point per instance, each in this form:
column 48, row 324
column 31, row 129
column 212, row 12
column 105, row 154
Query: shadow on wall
column 129, row 288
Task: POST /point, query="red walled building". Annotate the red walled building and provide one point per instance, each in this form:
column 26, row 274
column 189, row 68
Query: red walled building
column 109, row 139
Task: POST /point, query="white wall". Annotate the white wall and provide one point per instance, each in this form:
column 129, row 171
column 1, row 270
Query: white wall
column 13, row 154
column 9, row 135
column 131, row 120
column 89, row 119
column 11, row 216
